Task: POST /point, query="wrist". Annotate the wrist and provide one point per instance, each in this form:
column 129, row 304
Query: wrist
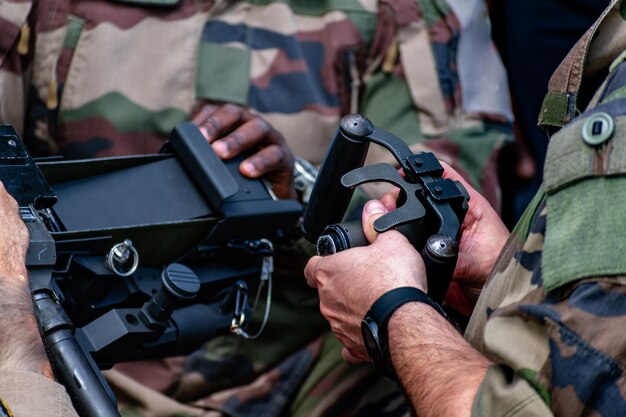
column 409, row 316
column 13, row 267
column 21, row 348
column 437, row 368
column 374, row 327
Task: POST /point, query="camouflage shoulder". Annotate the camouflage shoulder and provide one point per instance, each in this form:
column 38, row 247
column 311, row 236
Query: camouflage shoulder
column 584, row 178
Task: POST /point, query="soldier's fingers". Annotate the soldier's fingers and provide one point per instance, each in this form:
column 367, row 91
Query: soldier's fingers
column 372, row 210
column 270, row 159
column 200, row 117
column 205, row 111
column 456, row 298
column 250, row 133
column 351, row 357
column 310, row 271
column 222, row 121
column 390, row 199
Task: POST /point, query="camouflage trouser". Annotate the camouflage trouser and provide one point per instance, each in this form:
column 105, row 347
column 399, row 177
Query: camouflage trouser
column 294, row 369
column 313, row 382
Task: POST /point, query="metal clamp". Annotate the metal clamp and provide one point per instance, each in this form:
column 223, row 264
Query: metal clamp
column 241, row 300
column 267, row 268
column 120, row 255
column 304, row 175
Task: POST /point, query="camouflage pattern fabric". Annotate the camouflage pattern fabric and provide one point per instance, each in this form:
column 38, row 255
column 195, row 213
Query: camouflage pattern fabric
column 465, row 137
column 99, row 78
column 551, row 309
column 25, row 394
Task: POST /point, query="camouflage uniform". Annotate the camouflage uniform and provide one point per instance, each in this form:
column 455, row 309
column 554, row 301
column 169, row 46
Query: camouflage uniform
column 101, row 78
column 17, row 390
column 550, row 314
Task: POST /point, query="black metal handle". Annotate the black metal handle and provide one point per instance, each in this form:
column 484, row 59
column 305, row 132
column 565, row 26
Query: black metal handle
column 429, row 213
column 440, row 254
column 346, row 152
column 341, row 236
column 89, row 392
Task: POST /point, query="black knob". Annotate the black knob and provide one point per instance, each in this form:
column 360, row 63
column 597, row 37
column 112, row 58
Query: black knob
column 356, row 126
column 180, row 281
column 179, row 284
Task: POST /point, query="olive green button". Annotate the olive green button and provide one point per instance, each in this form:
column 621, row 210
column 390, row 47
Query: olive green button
column 598, row 129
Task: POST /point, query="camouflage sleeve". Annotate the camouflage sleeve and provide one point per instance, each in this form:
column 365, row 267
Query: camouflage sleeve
column 573, row 358
column 558, row 352
column 556, row 331
column 29, row 394
column 16, row 49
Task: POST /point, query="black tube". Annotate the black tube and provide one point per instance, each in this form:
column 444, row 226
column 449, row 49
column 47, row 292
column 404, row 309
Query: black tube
column 338, row 237
column 440, row 255
column 329, row 199
column 196, row 324
column 71, row 366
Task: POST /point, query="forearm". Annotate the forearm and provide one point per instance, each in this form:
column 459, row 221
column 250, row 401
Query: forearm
column 21, row 348
column 438, row 369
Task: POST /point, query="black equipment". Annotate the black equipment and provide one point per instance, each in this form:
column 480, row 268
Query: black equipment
column 430, row 208
column 141, row 256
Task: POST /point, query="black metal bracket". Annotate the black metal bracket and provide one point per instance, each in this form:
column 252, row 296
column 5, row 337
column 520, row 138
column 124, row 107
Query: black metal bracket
column 430, row 208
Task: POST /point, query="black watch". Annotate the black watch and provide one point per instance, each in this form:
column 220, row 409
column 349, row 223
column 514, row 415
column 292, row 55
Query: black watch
column 374, row 325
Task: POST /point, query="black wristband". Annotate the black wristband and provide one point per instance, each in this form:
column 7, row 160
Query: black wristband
column 374, row 325
column 390, row 301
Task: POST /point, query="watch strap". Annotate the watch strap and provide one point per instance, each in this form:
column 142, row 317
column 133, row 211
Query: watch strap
column 382, row 310
column 389, row 302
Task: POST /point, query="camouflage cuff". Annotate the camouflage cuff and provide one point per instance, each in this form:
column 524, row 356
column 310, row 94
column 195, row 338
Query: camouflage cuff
column 504, row 393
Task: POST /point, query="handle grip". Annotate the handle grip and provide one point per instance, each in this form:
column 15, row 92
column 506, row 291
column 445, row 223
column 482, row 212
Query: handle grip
column 341, row 236
column 346, row 152
column 440, row 254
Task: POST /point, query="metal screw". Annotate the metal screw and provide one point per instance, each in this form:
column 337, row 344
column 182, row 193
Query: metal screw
column 438, row 189
column 12, row 143
column 418, row 162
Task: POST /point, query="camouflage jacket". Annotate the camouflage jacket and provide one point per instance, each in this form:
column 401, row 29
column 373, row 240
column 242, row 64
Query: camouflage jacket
column 16, row 396
column 550, row 314
column 99, row 78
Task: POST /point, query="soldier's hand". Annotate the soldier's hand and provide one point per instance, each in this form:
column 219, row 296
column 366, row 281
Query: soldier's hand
column 483, row 235
column 13, row 239
column 349, row 282
column 232, row 129
column 21, row 348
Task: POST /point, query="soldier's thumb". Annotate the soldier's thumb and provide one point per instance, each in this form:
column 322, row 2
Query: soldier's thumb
column 372, row 210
